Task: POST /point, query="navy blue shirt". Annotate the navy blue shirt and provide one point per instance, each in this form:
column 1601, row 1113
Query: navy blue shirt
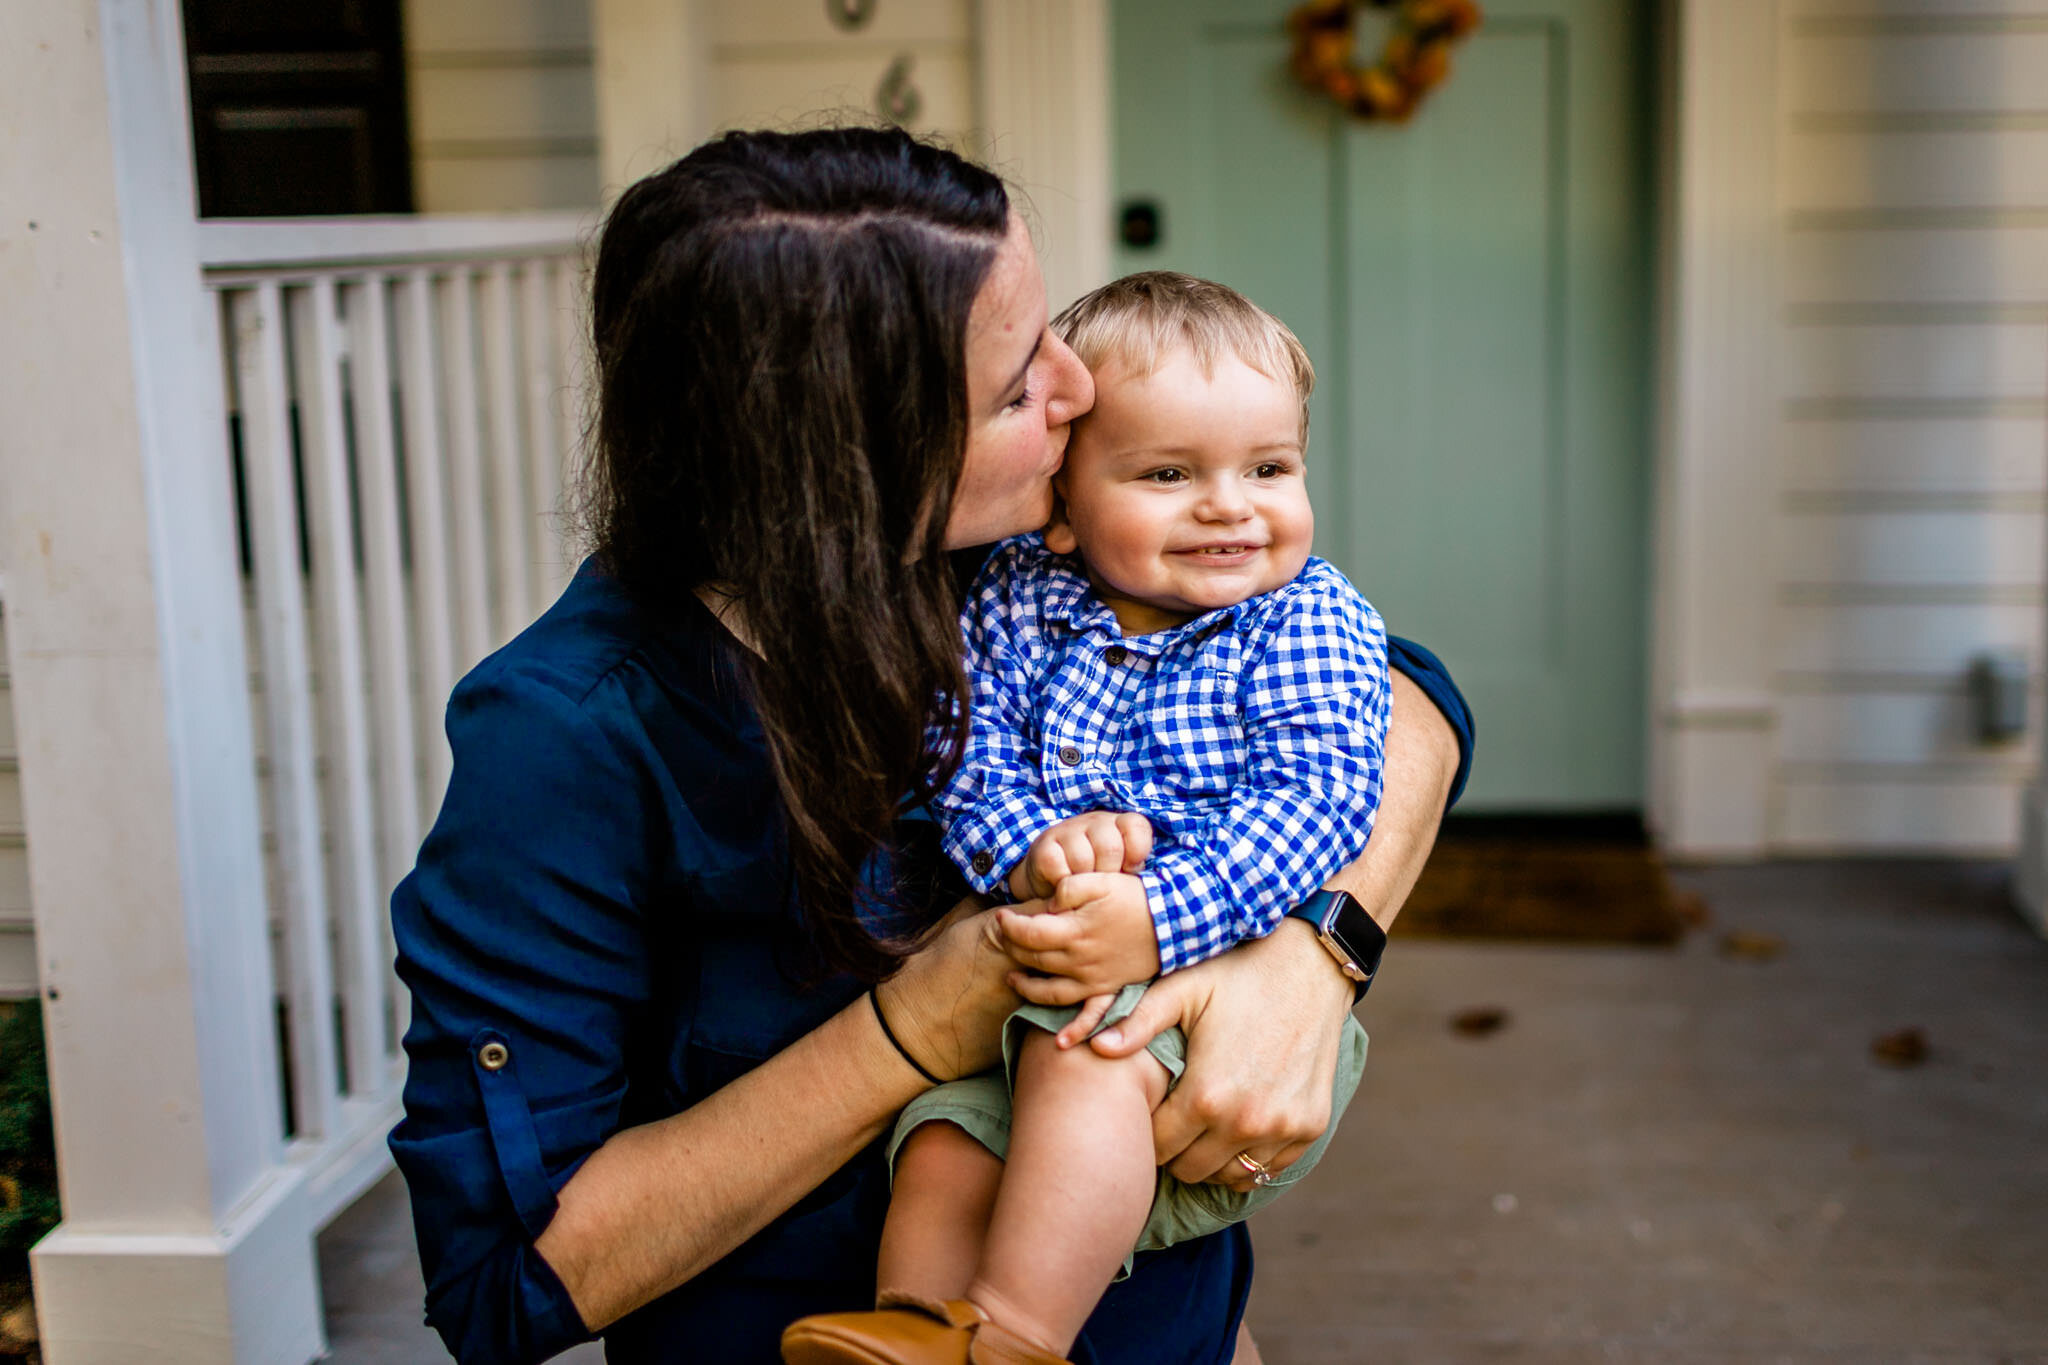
column 600, row 932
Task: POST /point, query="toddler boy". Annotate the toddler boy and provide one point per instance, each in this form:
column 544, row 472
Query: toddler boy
column 1177, row 725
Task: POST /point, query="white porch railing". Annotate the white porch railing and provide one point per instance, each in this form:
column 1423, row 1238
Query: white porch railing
column 401, row 408
column 399, row 425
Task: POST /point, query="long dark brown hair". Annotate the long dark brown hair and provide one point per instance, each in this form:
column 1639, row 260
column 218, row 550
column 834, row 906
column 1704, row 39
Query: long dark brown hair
column 781, row 336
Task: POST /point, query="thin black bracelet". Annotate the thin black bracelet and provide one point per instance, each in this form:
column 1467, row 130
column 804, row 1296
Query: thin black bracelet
column 876, row 1000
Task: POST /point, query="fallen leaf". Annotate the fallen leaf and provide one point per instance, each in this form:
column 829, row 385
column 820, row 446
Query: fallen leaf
column 1750, row 945
column 1900, row 1047
column 18, row 1328
column 1477, row 1023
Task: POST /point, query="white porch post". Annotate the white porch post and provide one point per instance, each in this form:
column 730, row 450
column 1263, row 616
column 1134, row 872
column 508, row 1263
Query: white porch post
column 653, row 63
column 1044, row 112
column 1713, row 712
column 2030, row 873
column 184, row 1238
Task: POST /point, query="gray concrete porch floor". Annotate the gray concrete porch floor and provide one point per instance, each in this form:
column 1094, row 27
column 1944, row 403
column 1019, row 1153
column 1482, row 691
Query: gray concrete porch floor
column 1664, row 1156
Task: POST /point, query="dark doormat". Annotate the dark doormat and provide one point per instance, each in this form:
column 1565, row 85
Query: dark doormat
column 1580, row 879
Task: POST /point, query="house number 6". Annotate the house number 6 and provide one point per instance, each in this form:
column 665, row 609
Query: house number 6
column 898, row 99
column 850, row 15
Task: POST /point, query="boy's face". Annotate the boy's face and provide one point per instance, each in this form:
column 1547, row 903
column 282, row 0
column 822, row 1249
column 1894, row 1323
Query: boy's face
column 1185, row 492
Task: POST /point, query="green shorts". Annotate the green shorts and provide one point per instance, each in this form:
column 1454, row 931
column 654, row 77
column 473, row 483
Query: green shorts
column 980, row 1105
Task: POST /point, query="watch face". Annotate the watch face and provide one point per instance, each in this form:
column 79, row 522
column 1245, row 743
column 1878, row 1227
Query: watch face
column 1356, row 932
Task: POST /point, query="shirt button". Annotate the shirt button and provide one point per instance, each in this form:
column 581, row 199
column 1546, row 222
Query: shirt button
column 493, row 1056
column 981, row 863
column 1069, row 755
column 1116, row 656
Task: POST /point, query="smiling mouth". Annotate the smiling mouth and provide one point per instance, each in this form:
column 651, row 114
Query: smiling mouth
column 1219, row 551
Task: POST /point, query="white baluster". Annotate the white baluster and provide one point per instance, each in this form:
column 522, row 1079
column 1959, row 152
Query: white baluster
column 264, row 398
column 505, row 465
column 543, row 395
column 389, row 624
column 433, row 572
column 465, row 464
column 344, row 706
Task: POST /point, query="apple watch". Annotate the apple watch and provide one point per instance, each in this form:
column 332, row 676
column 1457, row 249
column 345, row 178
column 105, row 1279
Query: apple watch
column 1347, row 933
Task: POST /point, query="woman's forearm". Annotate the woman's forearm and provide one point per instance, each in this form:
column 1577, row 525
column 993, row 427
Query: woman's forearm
column 658, row 1203
column 1421, row 764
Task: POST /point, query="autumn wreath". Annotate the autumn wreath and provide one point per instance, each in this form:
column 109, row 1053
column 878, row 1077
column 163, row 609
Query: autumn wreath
column 1415, row 60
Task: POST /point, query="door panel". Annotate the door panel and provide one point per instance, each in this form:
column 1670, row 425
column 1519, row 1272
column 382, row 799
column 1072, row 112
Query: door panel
column 1473, row 289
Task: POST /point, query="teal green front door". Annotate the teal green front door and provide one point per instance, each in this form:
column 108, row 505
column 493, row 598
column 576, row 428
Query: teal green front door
column 1474, row 289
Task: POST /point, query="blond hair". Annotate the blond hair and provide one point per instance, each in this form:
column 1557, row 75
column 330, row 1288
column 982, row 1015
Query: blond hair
column 1141, row 319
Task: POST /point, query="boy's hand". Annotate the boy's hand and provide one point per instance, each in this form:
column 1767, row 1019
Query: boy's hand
column 1094, row 935
column 1100, row 841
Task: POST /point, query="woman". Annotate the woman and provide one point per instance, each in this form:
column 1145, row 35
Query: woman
column 645, row 1093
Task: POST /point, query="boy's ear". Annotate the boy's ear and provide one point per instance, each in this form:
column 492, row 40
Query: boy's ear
column 1059, row 533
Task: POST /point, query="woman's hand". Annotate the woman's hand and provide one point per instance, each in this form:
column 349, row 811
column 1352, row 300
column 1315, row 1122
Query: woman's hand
column 1263, row 1024
column 948, row 1000
column 1264, row 1020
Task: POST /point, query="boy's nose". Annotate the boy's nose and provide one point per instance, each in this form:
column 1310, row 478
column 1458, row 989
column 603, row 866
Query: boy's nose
column 1223, row 500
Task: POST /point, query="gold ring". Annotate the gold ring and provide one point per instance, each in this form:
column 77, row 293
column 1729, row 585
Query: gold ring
column 1256, row 1169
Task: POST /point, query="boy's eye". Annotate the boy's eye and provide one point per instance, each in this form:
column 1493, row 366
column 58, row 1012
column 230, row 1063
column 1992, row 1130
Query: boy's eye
column 1165, row 476
column 1269, row 470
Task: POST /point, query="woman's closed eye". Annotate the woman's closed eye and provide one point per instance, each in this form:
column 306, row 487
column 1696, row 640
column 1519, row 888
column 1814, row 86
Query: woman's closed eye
column 1021, row 401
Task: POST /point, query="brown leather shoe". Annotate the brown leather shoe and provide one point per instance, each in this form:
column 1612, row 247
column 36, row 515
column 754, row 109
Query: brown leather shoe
column 908, row 1331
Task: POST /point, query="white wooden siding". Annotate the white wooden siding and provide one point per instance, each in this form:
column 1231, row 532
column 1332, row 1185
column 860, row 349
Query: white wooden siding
column 1913, row 189
column 503, row 96
column 783, row 63
column 503, row 105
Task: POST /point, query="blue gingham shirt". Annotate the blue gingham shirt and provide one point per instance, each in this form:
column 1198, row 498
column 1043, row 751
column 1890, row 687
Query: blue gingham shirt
column 1252, row 737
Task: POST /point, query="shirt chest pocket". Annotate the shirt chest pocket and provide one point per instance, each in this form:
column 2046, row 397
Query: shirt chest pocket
column 1188, row 738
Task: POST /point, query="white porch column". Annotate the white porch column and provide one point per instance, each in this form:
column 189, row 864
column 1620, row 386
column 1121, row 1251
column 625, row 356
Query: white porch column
column 184, row 1238
column 1044, row 114
column 2030, row 873
column 1713, row 712
column 652, row 62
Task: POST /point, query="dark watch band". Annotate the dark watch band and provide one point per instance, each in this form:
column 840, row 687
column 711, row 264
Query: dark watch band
column 1350, row 935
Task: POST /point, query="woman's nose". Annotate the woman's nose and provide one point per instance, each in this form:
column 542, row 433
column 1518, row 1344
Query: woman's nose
column 1072, row 390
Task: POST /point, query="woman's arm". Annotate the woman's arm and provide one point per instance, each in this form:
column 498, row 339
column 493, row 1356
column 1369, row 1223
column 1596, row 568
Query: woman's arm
column 1263, row 1021
column 522, row 934
column 658, row 1203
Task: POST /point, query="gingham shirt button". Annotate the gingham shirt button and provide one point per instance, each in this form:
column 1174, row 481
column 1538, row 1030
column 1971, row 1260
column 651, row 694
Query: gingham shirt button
column 981, row 863
column 1116, row 656
column 1069, row 755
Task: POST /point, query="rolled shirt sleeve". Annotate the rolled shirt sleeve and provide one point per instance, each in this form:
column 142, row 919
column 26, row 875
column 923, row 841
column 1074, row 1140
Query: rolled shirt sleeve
column 996, row 804
column 1316, row 705
column 1427, row 672
column 519, row 935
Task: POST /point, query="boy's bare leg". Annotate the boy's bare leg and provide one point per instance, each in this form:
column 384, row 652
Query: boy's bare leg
column 1075, row 1191
column 945, row 1188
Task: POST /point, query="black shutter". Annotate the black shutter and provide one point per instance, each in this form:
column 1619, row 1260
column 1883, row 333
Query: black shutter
column 299, row 107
